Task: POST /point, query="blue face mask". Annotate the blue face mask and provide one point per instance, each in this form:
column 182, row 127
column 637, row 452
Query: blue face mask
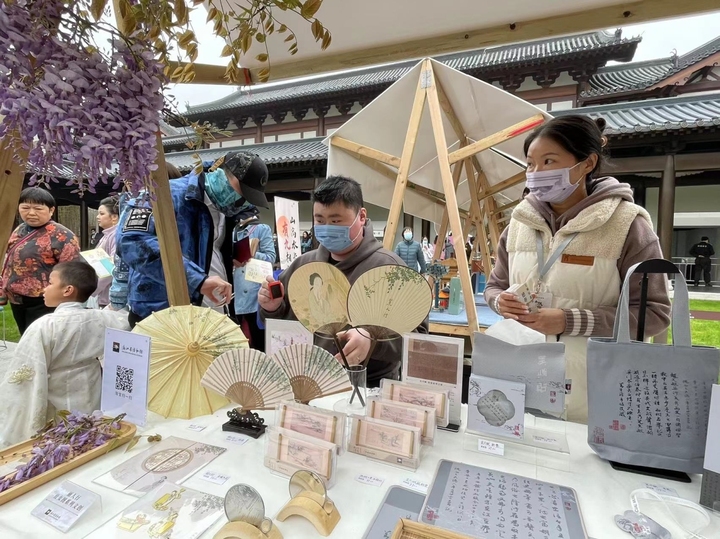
column 222, row 194
column 336, row 238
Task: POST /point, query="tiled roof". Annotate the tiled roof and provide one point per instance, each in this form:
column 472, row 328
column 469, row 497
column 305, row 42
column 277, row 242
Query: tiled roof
column 305, row 151
column 640, row 75
column 656, row 115
column 530, row 53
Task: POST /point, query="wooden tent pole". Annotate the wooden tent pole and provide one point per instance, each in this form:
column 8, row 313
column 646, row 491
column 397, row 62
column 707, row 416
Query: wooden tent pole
column 451, row 198
column 442, row 231
column 405, row 161
column 12, row 176
column 165, row 222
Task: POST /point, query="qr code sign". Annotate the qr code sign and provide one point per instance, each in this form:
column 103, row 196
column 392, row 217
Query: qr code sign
column 124, row 379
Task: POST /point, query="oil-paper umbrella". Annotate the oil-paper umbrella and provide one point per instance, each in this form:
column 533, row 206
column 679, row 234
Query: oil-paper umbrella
column 185, row 341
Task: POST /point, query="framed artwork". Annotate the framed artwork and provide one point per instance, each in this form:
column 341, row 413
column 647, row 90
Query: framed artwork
column 310, row 421
column 386, row 437
column 305, row 455
column 405, row 414
column 436, row 362
column 419, row 396
column 282, row 333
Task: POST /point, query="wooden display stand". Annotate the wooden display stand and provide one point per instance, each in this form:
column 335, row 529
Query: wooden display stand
column 309, row 505
column 244, row 530
column 483, row 215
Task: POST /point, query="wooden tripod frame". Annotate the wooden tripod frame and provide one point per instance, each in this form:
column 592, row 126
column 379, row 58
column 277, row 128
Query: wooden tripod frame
column 484, row 214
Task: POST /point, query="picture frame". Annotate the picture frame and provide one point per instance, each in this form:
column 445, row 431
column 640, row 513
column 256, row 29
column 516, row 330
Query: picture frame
column 394, row 390
column 282, row 333
column 406, row 414
column 391, row 443
column 287, row 451
column 437, row 362
column 311, row 421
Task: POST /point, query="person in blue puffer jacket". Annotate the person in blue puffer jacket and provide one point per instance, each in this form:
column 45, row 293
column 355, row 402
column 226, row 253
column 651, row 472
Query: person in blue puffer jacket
column 206, row 208
column 246, row 292
column 411, row 251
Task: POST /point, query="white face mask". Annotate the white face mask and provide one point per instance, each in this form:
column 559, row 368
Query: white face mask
column 408, row 236
column 551, row 186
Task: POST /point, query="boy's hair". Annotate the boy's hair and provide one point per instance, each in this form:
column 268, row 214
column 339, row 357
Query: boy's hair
column 79, row 274
column 339, row 189
column 36, row 195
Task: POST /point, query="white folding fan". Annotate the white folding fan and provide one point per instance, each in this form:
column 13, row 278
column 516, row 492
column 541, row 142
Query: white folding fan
column 249, row 378
column 313, row 371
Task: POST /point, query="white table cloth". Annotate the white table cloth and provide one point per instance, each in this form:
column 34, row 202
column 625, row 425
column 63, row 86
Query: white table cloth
column 602, row 491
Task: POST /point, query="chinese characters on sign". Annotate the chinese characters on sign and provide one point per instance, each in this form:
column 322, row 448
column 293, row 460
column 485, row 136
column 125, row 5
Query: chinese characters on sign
column 493, row 504
column 660, row 404
column 65, row 505
column 287, row 222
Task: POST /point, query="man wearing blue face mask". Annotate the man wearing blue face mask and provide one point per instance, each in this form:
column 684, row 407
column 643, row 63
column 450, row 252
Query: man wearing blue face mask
column 207, row 206
column 345, row 235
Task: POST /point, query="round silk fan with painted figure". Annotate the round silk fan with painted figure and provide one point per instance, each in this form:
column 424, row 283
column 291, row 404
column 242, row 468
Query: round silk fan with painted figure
column 313, row 372
column 388, row 301
column 185, row 341
column 248, row 378
column 318, row 296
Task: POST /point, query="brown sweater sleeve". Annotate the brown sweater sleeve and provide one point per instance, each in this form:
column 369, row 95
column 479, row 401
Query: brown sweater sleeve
column 641, row 244
column 499, row 280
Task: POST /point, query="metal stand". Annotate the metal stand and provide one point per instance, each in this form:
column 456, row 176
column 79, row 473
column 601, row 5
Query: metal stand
column 247, row 423
column 651, row 266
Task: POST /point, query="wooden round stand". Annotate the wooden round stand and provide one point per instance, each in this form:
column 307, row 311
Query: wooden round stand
column 309, row 505
column 243, row 530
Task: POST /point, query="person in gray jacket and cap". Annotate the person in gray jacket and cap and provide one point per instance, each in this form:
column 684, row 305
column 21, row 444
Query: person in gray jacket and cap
column 411, row 251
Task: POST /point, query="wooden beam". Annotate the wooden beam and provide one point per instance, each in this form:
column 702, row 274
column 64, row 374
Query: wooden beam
column 497, row 138
column 12, row 175
column 497, row 188
column 212, row 74
column 165, row 222
column 366, row 151
column 444, row 222
column 396, row 204
column 570, row 22
column 505, row 207
column 452, row 204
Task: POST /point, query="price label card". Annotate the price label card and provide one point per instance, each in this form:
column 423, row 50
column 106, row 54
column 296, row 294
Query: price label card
column 665, row 491
column 197, row 428
column 257, row 271
column 493, row 448
column 215, row 477
column 370, row 480
column 414, row 484
column 65, row 505
column 237, row 439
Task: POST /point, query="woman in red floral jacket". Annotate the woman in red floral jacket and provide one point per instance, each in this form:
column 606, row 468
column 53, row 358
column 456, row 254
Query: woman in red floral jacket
column 35, row 247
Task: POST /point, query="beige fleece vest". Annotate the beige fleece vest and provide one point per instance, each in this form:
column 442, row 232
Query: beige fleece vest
column 602, row 230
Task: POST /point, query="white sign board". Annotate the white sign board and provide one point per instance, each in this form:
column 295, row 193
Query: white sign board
column 287, row 221
column 64, row 506
column 126, row 375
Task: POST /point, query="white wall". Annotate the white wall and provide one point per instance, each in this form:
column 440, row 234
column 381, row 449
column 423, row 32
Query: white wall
column 694, row 198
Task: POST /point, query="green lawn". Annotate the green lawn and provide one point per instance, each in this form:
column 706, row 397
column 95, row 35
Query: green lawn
column 13, row 335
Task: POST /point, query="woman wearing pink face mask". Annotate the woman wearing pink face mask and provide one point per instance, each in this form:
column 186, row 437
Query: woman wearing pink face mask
column 571, row 241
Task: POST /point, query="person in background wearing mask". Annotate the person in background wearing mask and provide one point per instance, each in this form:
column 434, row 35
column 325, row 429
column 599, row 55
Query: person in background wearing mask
column 206, row 208
column 591, row 233
column 346, row 241
column 306, row 242
column 702, row 252
column 428, row 251
column 411, row 251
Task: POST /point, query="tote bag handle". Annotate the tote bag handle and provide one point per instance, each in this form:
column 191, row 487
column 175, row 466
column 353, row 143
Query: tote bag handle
column 680, row 311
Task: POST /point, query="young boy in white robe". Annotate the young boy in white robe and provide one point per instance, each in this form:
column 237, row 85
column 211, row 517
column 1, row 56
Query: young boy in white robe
column 55, row 365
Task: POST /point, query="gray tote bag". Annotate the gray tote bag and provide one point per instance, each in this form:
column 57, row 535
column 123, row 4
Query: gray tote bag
column 541, row 367
column 648, row 404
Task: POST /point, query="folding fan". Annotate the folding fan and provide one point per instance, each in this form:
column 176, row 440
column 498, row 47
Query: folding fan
column 318, row 296
column 185, row 341
column 248, row 378
column 389, row 300
column 313, row 371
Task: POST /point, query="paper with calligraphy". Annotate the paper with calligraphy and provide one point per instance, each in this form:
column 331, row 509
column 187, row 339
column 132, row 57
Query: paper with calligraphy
column 287, row 221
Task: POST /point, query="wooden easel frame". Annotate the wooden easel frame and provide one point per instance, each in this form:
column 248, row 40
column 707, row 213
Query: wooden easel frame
column 483, row 209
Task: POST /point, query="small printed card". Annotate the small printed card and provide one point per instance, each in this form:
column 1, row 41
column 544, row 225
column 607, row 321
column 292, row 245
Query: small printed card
column 197, row 428
column 256, row 271
column 65, row 505
column 414, row 484
column 238, row 439
column 493, row 448
column 370, row 480
column 496, row 407
column 215, row 477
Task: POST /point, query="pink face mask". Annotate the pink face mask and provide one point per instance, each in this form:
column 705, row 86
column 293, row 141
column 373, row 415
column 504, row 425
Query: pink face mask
column 551, row 186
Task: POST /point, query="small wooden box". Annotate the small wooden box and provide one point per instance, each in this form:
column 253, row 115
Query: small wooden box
column 409, row 529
